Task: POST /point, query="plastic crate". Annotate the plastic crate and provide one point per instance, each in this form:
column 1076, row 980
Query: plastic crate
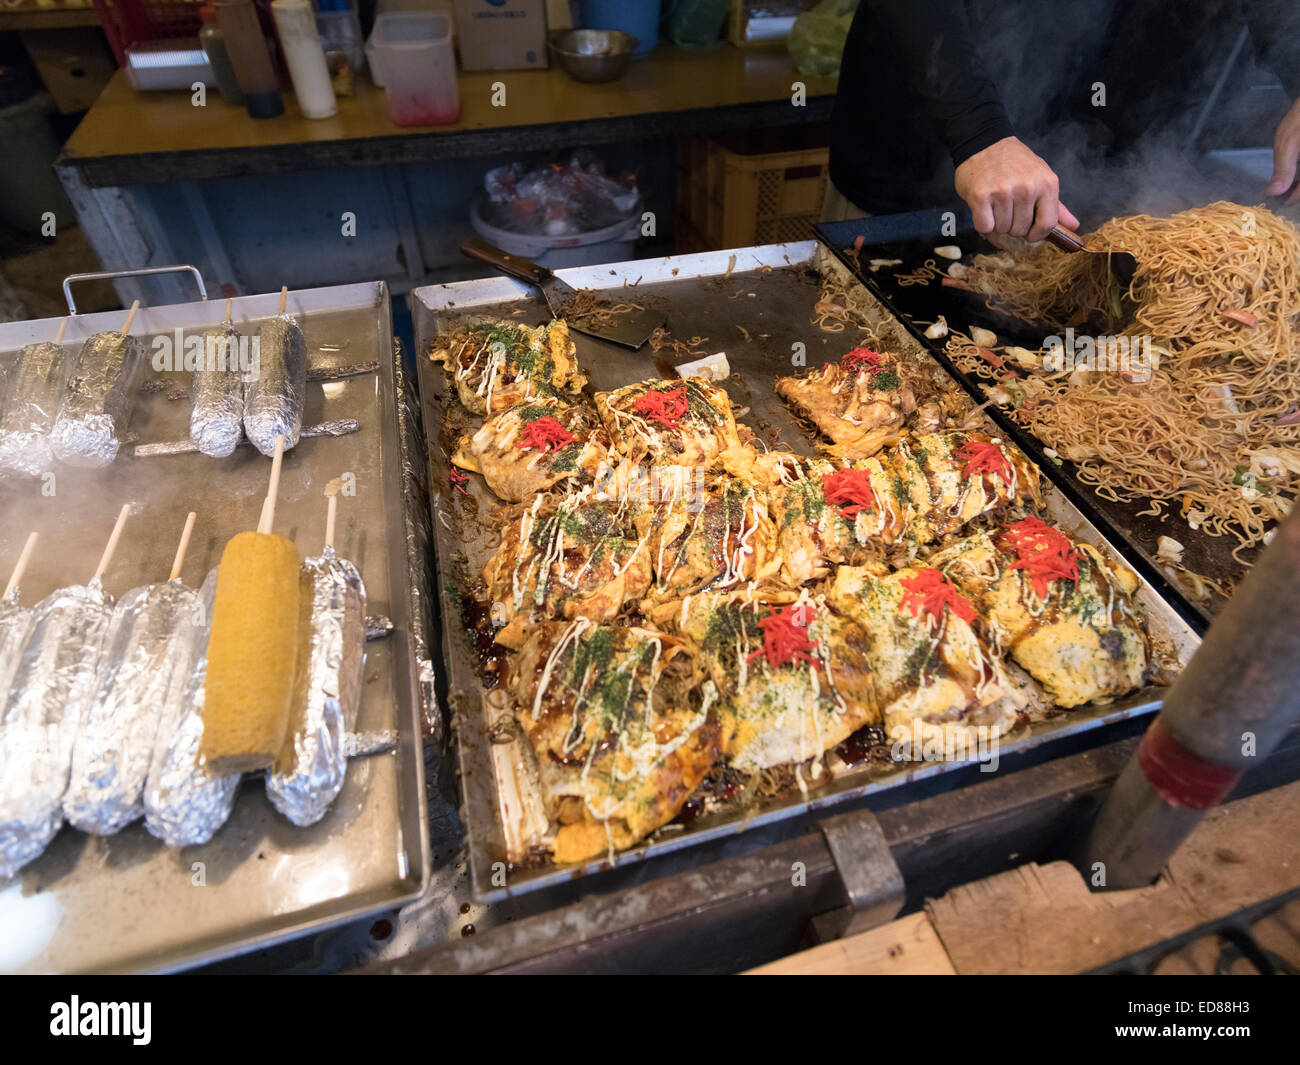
column 733, row 194
column 128, row 22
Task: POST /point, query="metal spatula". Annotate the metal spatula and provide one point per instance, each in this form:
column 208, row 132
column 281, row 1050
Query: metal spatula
column 631, row 329
column 1121, row 265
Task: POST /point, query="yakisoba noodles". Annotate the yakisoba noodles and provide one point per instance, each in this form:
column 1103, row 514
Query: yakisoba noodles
column 841, row 305
column 598, row 312
column 1214, row 429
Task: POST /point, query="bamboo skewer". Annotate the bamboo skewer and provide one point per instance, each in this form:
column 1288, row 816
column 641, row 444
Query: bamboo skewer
column 111, row 546
column 63, row 325
column 268, row 507
column 130, row 316
column 182, row 547
column 20, row 566
column 332, row 489
column 332, row 509
column 284, row 295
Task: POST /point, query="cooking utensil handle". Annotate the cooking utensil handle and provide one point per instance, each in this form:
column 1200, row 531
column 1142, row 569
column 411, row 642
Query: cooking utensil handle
column 513, row 265
column 1065, row 240
column 146, row 271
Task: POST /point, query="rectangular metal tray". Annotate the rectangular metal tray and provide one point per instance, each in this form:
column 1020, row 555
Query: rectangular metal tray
column 707, row 295
column 912, row 238
column 127, row 902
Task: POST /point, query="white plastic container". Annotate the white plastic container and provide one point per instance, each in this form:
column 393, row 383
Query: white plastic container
column 411, row 59
column 295, row 20
column 169, row 64
column 613, row 244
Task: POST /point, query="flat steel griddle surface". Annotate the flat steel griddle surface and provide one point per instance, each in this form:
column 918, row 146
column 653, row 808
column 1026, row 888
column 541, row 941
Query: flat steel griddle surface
column 912, row 238
column 128, row 902
column 767, row 293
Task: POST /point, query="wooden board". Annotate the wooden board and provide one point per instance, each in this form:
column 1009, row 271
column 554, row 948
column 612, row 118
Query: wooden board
column 906, row 947
column 1044, row 919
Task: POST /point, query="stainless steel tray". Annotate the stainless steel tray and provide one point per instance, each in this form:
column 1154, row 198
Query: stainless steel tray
column 127, row 902
column 755, row 304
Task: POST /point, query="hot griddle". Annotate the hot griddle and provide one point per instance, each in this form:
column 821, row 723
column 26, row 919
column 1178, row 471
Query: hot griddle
column 756, row 304
column 912, row 237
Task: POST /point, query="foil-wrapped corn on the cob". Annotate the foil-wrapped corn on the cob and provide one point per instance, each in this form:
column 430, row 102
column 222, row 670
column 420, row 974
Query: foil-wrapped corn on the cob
column 185, row 802
column 143, row 669
column 252, row 653
column 15, row 623
column 96, row 406
column 309, row 772
column 273, row 400
column 33, row 390
column 42, row 712
column 217, row 394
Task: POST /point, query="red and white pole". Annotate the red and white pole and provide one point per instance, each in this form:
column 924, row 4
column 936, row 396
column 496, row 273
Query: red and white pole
column 1227, row 712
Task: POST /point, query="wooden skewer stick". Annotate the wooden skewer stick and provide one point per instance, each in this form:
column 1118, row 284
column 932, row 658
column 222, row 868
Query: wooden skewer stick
column 111, row 546
column 268, row 508
column 182, row 547
column 331, row 511
column 229, row 303
column 284, row 295
column 332, row 489
column 130, row 316
column 58, row 337
column 21, row 565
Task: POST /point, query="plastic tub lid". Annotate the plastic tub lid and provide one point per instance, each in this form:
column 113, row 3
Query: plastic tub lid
column 410, row 29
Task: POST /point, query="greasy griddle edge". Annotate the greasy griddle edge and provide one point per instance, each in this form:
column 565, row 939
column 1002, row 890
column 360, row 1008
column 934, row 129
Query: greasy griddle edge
column 481, row 805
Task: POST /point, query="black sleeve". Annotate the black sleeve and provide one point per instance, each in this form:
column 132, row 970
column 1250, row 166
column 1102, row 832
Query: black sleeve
column 1275, row 32
column 942, row 68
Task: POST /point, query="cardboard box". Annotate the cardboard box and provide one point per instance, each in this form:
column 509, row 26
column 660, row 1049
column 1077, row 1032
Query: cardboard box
column 74, row 64
column 501, row 34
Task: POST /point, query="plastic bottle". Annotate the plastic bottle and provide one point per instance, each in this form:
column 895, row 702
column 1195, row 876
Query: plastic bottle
column 246, row 46
column 214, row 47
column 303, row 55
column 340, row 31
column 696, row 23
column 640, row 18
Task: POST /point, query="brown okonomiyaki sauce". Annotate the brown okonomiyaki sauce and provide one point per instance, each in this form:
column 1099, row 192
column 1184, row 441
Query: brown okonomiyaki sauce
column 489, row 656
column 721, row 784
column 867, row 744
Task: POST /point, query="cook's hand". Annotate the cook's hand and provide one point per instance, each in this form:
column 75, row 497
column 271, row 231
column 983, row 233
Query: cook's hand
column 1286, row 150
column 1011, row 190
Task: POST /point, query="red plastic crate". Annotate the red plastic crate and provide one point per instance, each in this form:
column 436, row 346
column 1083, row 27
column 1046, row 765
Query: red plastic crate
column 128, row 22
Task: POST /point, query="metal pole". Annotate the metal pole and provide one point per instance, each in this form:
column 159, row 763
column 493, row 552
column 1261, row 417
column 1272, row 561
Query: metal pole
column 1227, row 712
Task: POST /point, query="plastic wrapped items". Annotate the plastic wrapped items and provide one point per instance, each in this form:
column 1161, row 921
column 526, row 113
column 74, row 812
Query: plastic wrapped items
column 817, row 38
column 33, row 390
column 252, row 653
column 148, row 651
column 309, row 773
column 217, row 394
column 559, row 199
column 96, row 404
column 274, row 398
column 43, row 709
column 185, row 802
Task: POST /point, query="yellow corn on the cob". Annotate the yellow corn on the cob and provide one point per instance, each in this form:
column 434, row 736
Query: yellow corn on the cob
column 252, row 653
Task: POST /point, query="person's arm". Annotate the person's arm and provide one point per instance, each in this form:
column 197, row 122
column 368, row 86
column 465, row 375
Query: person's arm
column 1275, row 31
column 1008, row 188
column 943, row 70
